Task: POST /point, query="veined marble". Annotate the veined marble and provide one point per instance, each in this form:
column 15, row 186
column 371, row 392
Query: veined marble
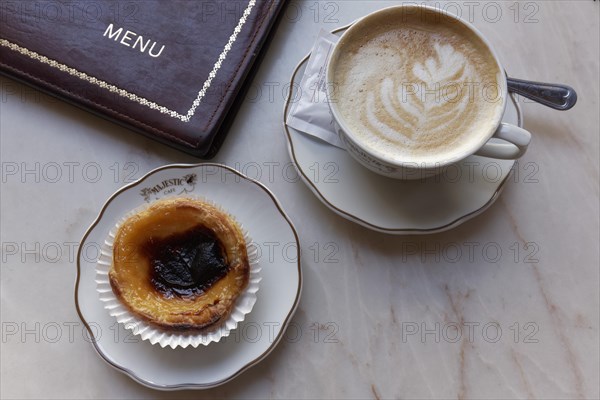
column 504, row 306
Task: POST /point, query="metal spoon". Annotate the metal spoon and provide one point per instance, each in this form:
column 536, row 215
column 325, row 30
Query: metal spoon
column 559, row 97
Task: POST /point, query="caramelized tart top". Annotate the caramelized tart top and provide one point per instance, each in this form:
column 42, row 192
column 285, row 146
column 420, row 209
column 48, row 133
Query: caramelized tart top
column 180, row 264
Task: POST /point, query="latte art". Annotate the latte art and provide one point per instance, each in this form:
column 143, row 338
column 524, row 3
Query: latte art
column 412, row 112
column 415, row 89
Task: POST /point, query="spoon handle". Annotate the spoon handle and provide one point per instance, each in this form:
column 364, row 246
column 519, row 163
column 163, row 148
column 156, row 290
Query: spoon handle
column 559, row 97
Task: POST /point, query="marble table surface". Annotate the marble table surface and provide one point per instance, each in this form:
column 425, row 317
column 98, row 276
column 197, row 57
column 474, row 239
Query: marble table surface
column 377, row 321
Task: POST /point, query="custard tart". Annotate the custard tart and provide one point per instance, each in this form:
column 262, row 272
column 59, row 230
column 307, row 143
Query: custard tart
column 180, row 265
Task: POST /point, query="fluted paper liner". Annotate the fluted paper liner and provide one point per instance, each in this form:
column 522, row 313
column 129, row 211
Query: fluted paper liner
column 243, row 305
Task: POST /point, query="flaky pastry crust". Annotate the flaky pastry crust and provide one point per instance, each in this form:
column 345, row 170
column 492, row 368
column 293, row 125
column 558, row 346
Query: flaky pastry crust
column 131, row 273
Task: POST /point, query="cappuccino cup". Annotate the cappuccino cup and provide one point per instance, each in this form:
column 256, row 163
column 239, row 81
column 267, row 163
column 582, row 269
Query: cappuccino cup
column 413, row 89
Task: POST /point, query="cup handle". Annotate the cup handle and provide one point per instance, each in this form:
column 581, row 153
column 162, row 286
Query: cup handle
column 517, row 141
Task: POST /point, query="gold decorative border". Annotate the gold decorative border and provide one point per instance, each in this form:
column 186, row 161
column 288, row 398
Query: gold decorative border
column 132, row 96
column 354, row 218
column 180, row 386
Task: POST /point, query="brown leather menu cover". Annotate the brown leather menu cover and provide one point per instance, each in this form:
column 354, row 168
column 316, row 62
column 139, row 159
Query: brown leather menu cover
column 171, row 70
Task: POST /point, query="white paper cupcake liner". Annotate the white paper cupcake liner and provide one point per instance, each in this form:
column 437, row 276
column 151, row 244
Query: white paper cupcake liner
column 243, row 305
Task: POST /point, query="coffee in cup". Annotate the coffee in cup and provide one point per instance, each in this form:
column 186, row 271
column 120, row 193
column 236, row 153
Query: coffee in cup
column 411, row 85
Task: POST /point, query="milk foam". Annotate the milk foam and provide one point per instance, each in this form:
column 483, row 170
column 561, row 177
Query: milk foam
column 417, row 91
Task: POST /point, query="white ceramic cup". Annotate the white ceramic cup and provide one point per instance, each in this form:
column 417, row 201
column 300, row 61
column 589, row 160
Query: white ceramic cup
column 505, row 141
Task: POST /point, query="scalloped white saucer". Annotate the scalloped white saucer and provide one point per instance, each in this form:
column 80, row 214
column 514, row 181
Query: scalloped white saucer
column 393, row 206
column 257, row 209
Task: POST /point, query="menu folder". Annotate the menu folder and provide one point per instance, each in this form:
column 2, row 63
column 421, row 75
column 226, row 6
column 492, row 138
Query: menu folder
column 175, row 71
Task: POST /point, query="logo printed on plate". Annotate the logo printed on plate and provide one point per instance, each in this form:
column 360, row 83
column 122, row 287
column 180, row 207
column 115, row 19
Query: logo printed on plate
column 185, row 184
